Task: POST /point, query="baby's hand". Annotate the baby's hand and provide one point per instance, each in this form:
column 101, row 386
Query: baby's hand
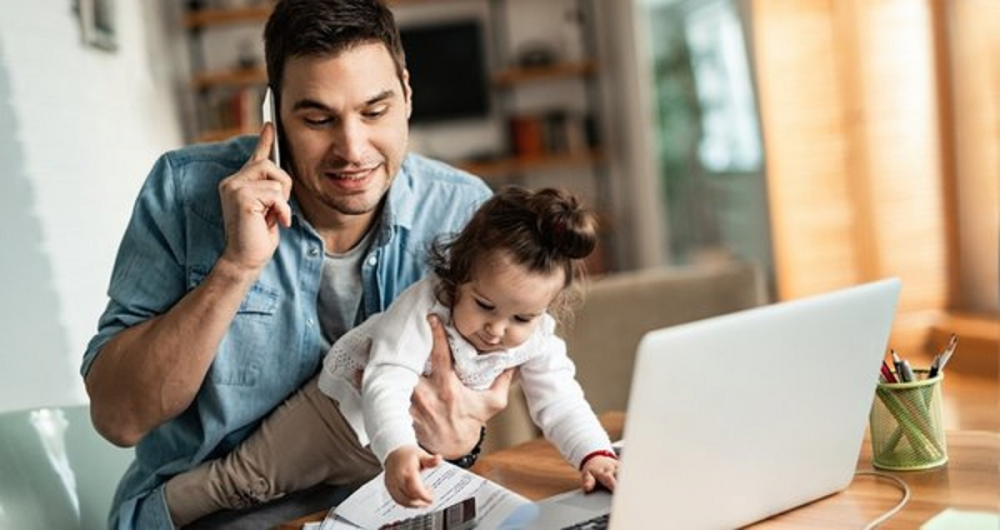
column 402, row 476
column 603, row 469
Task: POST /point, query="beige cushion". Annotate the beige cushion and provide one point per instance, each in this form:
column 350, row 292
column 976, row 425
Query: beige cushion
column 618, row 310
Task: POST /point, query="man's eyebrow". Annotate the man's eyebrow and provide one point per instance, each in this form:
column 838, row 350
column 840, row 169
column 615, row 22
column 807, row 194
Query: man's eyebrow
column 312, row 104
column 381, row 96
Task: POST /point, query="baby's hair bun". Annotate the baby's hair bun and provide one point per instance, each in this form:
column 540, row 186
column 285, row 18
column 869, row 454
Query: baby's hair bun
column 567, row 227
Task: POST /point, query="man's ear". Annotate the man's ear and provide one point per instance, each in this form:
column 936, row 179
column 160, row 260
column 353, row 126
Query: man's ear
column 407, row 93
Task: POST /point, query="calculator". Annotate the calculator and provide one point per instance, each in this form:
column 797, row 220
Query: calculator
column 458, row 516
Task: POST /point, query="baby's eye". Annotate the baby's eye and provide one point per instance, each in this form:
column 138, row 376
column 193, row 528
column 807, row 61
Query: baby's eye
column 484, row 305
column 523, row 319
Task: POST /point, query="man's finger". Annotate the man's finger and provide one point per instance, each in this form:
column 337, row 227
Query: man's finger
column 440, row 351
column 263, row 194
column 281, row 213
column 502, row 382
column 269, row 195
column 418, row 424
column 264, row 141
column 495, row 398
column 278, row 175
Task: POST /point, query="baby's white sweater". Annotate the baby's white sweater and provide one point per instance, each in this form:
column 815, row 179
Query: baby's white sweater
column 400, row 343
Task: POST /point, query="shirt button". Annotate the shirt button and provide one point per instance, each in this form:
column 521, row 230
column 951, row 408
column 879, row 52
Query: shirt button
column 372, row 261
column 314, row 252
column 310, row 322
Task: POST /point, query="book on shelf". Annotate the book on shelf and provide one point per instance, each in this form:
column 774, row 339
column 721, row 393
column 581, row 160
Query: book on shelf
column 232, row 110
column 555, row 132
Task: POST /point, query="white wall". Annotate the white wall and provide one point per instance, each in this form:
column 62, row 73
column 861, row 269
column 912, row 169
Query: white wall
column 79, row 129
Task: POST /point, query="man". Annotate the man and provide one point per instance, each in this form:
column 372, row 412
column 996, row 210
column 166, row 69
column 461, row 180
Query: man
column 234, row 276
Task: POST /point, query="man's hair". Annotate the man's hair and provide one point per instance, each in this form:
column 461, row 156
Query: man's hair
column 300, row 28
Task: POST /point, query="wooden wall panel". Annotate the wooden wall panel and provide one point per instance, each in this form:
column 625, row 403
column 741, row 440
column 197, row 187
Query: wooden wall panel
column 901, row 132
column 806, row 147
column 851, row 133
column 975, row 43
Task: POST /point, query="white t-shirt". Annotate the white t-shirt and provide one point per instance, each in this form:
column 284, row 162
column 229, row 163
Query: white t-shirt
column 340, row 290
column 399, row 341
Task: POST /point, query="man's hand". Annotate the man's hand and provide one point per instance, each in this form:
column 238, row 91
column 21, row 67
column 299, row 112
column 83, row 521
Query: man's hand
column 151, row 372
column 447, row 415
column 254, row 202
column 402, row 476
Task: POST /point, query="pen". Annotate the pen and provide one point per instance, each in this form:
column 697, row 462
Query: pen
column 937, row 358
column 942, row 358
column 907, row 371
column 932, row 372
column 887, row 373
column 900, row 372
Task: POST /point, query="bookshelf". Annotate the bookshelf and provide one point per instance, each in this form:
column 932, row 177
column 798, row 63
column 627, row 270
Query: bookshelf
column 540, row 141
column 510, row 77
column 527, row 164
column 237, row 77
column 207, row 17
column 237, row 81
column 556, row 142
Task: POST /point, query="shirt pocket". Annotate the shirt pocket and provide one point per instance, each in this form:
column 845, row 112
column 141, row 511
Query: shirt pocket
column 241, row 354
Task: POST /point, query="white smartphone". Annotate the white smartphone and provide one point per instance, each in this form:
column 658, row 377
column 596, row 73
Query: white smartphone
column 270, row 114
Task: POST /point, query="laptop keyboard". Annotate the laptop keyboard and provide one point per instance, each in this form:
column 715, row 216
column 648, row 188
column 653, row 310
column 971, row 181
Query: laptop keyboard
column 597, row 523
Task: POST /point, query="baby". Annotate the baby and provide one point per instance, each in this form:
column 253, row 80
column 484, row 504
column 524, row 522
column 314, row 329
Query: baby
column 495, row 286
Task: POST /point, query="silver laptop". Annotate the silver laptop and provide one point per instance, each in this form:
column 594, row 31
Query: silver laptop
column 739, row 417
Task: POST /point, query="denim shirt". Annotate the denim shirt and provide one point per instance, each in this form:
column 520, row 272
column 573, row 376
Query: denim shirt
column 274, row 343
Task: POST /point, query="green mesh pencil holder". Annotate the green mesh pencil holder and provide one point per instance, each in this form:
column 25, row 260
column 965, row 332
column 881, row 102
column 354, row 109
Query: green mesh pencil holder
column 907, row 430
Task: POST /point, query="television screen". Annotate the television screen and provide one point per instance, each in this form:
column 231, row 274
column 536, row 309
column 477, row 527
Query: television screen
column 447, row 71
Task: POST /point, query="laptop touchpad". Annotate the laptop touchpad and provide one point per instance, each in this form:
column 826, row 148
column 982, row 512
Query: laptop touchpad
column 597, row 500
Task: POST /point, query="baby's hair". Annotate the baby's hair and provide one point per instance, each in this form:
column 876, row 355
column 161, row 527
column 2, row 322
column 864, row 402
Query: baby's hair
column 543, row 231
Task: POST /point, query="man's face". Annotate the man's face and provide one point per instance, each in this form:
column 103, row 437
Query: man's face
column 345, row 121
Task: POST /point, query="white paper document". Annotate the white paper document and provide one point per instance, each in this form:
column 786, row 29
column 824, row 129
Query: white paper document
column 372, row 507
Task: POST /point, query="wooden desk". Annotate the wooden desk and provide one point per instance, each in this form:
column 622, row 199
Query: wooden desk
column 970, row 480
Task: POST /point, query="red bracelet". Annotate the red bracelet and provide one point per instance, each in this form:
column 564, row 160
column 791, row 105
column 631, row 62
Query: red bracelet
column 601, row 452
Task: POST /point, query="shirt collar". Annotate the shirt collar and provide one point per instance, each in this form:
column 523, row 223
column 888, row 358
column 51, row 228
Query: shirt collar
column 399, row 208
